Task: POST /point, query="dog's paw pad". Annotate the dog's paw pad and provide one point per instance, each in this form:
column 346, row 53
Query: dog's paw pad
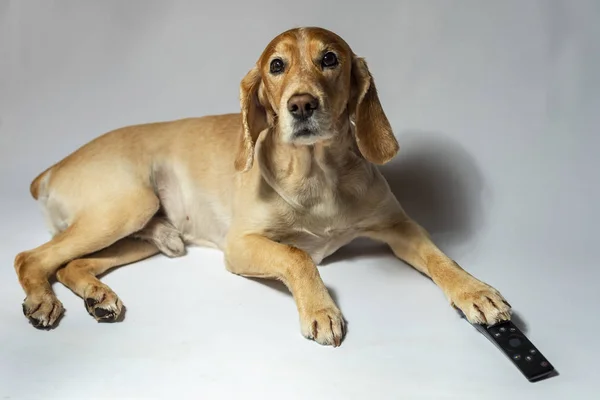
column 103, row 304
column 43, row 312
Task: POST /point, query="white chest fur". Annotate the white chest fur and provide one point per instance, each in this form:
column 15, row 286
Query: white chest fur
column 325, row 196
column 319, row 246
column 323, row 228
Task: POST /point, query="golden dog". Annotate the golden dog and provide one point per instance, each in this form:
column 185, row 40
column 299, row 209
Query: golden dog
column 277, row 188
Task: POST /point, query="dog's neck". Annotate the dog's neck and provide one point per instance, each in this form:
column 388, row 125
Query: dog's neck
column 304, row 175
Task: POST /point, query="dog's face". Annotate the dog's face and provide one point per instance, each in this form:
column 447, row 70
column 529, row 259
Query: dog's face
column 308, row 84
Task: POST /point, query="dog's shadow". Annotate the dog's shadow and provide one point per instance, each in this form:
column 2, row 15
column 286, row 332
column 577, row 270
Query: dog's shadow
column 439, row 185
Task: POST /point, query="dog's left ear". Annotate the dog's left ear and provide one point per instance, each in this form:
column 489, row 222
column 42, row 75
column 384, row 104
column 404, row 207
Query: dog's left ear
column 374, row 135
column 254, row 119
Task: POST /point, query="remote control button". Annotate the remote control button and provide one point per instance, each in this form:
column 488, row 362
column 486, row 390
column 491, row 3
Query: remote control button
column 544, row 363
column 514, row 342
column 517, row 357
column 532, row 351
column 503, row 329
column 513, row 330
column 497, row 334
column 529, row 358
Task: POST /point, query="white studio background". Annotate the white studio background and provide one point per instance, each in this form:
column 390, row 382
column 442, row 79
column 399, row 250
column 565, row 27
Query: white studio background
column 496, row 107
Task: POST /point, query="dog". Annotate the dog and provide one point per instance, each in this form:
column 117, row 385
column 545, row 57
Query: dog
column 277, row 187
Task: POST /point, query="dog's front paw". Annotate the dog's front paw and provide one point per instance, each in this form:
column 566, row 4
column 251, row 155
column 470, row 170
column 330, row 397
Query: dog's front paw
column 323, row 325
column 482, row 304
column 102, row 303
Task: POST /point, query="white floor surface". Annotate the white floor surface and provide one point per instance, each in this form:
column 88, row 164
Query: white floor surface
column 496, row 107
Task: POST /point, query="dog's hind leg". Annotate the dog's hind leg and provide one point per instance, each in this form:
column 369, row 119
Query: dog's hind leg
column 92, row 228
column 80, row 275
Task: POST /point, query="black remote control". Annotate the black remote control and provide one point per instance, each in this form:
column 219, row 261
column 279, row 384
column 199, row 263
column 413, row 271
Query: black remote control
column 516, row 346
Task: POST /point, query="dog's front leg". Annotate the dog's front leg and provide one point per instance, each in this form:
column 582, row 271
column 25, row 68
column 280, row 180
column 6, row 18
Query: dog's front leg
column 259, row 257
column 480, row 302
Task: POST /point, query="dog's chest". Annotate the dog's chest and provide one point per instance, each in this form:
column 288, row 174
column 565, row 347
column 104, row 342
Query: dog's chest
column 322, row 229
column 326, row 210
column 320, row 245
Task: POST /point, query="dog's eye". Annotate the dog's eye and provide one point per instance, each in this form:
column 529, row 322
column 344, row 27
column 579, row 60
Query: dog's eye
column 276, row 66
column 329, row 60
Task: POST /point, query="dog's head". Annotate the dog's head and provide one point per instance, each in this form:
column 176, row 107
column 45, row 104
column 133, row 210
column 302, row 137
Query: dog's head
column 307, row 84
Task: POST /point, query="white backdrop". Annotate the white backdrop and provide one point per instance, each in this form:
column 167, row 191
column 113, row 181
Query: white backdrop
column 496, row 107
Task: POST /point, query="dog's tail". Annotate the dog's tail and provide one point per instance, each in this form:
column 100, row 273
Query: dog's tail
column 38, row 182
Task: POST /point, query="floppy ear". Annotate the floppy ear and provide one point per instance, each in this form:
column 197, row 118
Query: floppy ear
column 254, row 119
column 374, row 135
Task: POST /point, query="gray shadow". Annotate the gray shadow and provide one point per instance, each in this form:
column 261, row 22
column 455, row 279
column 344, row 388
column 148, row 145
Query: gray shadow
column 439, row 185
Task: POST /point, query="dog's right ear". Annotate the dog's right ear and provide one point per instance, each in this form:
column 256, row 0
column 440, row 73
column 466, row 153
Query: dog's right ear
column 254, row 119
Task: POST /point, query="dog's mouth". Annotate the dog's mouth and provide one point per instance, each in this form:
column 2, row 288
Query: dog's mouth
column 305, row 129
column 304, row 132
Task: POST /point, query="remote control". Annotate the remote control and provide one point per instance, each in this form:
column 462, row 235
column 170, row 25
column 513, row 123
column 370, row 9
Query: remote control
column 516, row 346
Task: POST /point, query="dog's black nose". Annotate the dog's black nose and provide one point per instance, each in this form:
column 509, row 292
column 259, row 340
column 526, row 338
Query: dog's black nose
column 302, row 106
